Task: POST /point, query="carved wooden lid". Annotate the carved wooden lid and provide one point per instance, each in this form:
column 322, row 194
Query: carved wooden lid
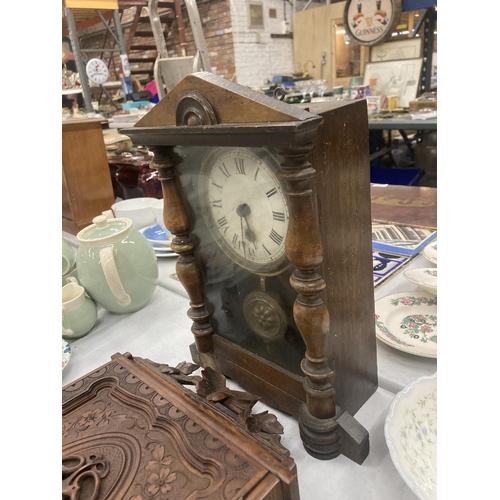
column 132, row 430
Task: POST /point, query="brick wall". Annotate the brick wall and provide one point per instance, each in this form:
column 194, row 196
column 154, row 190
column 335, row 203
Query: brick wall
column 216, row 21
column 249, row 56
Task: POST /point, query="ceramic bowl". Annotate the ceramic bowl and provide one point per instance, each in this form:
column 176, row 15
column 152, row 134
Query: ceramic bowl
column 411, row 435
column 138, row 210
column 431, row 252
column 157, row 207
column 425, row 278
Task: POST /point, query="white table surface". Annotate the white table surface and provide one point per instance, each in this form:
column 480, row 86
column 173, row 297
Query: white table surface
column 161, row 332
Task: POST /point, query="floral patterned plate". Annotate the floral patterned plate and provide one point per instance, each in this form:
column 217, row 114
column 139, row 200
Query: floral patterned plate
column 66, row 353
column 411, row 435
column 408, row 321
column 424, row 277
column 431, row 252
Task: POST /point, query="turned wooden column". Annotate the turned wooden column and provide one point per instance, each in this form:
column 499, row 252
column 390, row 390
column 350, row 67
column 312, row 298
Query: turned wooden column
column 176, row 221
column 317, row 423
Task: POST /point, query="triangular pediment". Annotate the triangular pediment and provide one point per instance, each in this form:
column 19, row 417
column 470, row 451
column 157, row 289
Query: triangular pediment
column 233, row 103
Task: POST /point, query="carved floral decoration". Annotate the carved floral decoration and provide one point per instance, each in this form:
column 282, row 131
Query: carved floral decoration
column 161, row 475
column 211, row 386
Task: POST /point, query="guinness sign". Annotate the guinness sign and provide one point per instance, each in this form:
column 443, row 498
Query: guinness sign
column 370, row 22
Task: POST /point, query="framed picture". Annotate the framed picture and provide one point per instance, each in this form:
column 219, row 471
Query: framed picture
column 400, row 77
column 399, row 49
column 255, row 15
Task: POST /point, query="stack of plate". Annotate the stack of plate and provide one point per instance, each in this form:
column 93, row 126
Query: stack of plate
column 407, row 321
column 160, row 239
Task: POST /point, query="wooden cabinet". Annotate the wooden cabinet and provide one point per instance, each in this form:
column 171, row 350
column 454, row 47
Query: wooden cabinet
column 86, row 182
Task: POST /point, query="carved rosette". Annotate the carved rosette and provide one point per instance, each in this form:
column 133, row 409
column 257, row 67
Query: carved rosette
column 318, row 426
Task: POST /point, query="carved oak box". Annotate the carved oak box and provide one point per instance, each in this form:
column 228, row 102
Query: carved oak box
column 131, row 430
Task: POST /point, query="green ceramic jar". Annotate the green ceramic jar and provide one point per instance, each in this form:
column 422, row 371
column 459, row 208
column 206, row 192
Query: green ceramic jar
column 116, row 265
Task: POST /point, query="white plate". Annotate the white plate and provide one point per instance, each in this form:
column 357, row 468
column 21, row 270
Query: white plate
column 160, row 255
column 66, row 353
column 160, row 247
column 431, row 252
column 411, row 434
column 407, row 321
column 425, row 277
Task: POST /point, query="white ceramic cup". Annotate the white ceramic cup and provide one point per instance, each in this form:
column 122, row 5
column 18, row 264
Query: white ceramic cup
column 157, row 207
column 138, row 210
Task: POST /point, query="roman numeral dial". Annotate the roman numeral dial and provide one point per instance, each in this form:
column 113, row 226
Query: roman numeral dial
column 244, row 206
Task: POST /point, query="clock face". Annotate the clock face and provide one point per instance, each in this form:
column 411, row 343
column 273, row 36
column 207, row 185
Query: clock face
column 97, row 71
column 248, row 293
column 245, row 207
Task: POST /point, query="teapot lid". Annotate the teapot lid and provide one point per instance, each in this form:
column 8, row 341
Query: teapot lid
column 104, row 231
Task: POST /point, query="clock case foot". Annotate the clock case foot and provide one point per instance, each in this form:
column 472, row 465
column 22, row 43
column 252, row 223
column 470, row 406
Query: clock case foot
column 327, row 439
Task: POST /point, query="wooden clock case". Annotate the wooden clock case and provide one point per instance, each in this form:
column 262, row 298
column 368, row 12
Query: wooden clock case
column 326, row 172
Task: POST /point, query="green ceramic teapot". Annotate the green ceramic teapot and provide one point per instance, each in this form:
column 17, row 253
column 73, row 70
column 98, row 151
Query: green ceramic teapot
column 116, row 265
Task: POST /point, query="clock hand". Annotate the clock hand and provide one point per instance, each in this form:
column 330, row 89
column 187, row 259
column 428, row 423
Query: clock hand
column 250, row 234
column 244, row 211
column 243, row 238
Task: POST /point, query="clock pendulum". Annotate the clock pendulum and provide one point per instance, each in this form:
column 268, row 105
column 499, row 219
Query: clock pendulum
column 264, row 314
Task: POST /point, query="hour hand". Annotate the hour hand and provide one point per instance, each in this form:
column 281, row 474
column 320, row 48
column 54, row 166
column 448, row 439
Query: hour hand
column 244, row 211
column 249, row 233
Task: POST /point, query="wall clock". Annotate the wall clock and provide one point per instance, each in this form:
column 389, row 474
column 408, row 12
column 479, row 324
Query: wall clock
column 370, row 22
column 97, row 71
column 251, row 228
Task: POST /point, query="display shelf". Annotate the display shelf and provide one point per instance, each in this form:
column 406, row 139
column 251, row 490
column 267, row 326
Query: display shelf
column 72, row 91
